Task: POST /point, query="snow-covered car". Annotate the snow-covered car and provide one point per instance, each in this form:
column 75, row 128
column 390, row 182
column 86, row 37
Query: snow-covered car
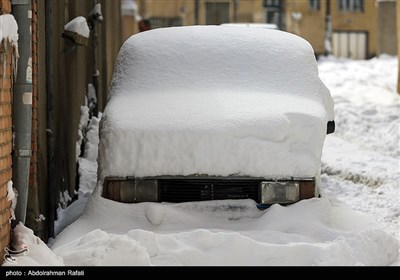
column 211, row 112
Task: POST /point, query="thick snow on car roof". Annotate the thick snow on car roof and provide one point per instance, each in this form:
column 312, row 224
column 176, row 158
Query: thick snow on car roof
column 215, row 100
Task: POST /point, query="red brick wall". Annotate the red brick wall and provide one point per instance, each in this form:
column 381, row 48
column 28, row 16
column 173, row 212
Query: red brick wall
column 6, row 56
column 33, row 201
column 5, row 7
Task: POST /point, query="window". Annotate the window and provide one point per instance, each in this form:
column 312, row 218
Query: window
column 272, row 3
column 273, row 12
column 314, row 5
column 217, row 13
column 352, row 45
column 351, row 5
column 273, row 17
column 158, row 22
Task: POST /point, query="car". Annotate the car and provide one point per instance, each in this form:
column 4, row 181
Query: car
column 212, row 113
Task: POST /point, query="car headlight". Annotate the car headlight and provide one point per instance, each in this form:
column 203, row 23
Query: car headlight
column 286, row 192
column 129, row 191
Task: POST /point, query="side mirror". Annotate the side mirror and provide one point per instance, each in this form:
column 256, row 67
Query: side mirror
column 330, row 127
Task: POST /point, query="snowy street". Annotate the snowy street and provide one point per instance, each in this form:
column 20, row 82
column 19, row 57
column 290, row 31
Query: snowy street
column 360, row 160
column 355, row 222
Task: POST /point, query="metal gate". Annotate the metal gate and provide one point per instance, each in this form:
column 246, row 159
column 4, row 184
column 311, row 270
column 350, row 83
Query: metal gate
column 348, row 44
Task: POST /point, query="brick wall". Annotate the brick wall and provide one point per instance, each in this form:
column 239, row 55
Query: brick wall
column 5, row 7
column 33, row 206
column 6, row 76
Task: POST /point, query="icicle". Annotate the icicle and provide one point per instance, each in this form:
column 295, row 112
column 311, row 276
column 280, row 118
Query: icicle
column 14, row 63
column 4, row 58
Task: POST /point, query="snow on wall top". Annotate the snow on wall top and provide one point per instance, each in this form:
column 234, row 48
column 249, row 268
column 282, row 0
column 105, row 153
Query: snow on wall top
column 9, row 29
column 78, row 25
column 215, row 100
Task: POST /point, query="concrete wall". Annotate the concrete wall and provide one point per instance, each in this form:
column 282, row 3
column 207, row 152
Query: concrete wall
column 6, row 82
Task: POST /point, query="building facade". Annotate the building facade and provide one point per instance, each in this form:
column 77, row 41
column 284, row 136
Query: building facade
column 345, row 28
column 163, row 13
column 387, row 35
column 308, row 20
column 352, row 26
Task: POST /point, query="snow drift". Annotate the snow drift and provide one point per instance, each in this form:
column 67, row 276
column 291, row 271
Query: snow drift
column 310, row 232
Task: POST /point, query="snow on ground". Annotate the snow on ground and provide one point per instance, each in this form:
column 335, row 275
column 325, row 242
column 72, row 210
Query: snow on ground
column 312, row 232
column 83, row 123
column 87, row 170
column 38, row 253
column 361, row 160
column 360, row 171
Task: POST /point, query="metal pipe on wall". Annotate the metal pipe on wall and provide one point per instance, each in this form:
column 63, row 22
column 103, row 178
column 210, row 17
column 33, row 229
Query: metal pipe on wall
column 22, row 106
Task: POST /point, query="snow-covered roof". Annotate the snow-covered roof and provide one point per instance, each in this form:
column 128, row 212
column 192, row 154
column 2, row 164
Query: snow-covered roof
column 215, row 100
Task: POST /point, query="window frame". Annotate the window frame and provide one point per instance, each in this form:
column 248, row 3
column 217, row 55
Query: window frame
column 272, row 3
column 314, row 5
column 351, row 6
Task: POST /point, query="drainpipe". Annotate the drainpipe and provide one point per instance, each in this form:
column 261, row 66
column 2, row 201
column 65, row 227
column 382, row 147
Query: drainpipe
column 22, row 106
column 51, row 179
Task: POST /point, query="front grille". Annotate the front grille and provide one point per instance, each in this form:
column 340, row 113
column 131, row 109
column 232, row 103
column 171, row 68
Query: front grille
column 200, row 189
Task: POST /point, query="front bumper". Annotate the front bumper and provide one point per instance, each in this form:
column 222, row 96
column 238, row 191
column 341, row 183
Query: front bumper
column 201, row 188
